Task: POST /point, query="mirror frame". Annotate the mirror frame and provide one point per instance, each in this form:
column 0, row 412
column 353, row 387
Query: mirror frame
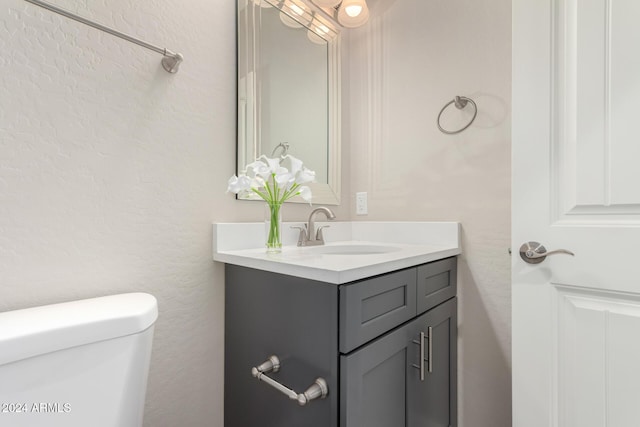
column 323, row 193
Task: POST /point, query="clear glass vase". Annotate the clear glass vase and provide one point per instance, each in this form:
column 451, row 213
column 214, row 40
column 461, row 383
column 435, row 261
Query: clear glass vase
column 273, row 228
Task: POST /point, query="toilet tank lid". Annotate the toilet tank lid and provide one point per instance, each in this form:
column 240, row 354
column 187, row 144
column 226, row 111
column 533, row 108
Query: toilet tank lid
column 39, row 330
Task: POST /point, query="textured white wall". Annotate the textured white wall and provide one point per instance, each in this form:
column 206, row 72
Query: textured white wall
column 412, row 58
column 112, row 171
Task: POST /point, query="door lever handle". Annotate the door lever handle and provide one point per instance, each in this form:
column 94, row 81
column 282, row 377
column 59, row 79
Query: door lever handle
column 535, row 253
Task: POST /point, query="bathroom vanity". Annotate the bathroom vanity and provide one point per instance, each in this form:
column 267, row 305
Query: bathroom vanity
column 376, row 322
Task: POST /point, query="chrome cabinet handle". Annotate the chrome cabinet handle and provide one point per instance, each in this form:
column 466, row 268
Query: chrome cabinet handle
column 535, row 253
column 421, row 366
column 429, row 358
column 430, row 350
column 316, row 390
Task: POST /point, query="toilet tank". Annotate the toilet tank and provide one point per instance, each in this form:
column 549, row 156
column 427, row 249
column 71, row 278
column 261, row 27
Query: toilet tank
column 77, row 364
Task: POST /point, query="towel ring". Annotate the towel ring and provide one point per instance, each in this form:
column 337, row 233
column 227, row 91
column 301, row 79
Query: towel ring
column 460, row 102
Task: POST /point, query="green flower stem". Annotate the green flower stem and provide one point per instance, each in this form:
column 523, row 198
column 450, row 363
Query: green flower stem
column 262, row 195
column 292, row 192
column 273, row 240
column 274, row 195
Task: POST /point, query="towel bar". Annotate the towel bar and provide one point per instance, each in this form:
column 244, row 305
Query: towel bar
column 318, row 389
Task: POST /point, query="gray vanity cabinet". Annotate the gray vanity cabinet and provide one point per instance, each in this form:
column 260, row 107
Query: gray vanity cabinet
column 363, row 338
column 384, row 383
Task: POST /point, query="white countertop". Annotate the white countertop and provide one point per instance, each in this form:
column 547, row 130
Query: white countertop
column 412, row 243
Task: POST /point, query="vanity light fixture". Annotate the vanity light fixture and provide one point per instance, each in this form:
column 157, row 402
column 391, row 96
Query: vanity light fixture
column 353, row 13
column 318, row 32
column 302, row 13
column 346, row 13
column 297, row 10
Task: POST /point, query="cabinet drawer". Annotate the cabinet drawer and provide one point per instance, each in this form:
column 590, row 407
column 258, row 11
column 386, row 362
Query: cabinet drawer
column 437, row 283
column 372, row 307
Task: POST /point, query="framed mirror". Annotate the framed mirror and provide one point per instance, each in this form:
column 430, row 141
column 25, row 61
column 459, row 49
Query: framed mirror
column 289, row 89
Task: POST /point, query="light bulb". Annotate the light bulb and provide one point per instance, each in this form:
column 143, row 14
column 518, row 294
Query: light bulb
column 297, row 9
column 296, row 14
column 323, row 29
column 353, row 13
column 353, row 10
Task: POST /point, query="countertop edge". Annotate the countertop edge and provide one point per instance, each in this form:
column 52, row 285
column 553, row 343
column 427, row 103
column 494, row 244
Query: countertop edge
column 335, row 276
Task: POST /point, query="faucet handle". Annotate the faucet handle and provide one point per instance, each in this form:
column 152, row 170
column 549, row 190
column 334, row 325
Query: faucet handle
column 302, row 237
column 319, row 232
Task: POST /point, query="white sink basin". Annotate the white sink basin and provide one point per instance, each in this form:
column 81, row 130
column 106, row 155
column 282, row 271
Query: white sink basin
column 352, row 249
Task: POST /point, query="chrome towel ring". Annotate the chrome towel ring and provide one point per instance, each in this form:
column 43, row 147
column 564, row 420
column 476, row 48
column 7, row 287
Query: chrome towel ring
column 460, row 102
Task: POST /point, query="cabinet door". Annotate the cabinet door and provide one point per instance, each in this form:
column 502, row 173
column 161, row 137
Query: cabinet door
column 432, row 401
column 381, row 384
column 373, row 381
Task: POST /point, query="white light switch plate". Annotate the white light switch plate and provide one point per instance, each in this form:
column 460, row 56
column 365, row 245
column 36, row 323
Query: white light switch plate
column 361, row 203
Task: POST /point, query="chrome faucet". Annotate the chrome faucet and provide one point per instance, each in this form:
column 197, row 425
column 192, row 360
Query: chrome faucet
column 309, row 236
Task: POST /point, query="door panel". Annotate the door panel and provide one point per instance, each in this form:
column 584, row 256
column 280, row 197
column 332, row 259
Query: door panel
column 594, row 89
column 576, row 186
column 598, row 357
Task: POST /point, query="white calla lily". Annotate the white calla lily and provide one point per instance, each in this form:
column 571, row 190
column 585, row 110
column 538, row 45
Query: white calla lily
column 284, row 180
column 305, row 193
column 273, row 164
column 273, row 182
column 296, row 164
column 305, row 175
column 258, row 168
column 237, row 184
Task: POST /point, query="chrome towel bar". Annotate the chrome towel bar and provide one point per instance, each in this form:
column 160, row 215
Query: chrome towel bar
column 318, row 389
column 170, row 62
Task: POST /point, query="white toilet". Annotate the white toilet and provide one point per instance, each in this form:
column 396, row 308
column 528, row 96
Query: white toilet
column 77, row 364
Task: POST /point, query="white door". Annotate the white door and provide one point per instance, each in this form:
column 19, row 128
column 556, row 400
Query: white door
column 576, row 186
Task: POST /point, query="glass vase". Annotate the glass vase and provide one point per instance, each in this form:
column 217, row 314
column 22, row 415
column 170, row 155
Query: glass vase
column 273, row 228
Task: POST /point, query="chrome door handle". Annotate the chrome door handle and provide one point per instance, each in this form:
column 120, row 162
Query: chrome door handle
column 535, row 253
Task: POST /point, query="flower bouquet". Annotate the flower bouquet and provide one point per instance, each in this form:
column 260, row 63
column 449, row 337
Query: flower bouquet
column 275, row 184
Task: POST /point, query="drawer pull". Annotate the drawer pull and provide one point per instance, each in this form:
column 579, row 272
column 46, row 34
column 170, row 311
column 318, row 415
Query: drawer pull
column 421, row 367
column 429, row 358
column 430, row 350
column 318, row 389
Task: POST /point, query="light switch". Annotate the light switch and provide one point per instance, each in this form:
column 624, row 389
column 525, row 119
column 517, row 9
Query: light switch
column 361, row 203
